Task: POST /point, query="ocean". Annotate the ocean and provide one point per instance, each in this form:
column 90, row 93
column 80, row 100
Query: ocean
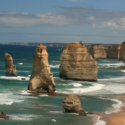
column 25, row 109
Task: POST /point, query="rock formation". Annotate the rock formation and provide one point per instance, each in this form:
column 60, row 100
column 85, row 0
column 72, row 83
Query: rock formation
column 77, row 63
column 82, row 43
column 10, row 68
column 97, row 51
column 72, row 104
column 113, row 51
column 41, row 79
column 122, row 52
column 3, row 115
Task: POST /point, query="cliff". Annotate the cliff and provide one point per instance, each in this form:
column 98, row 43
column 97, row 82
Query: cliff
column 41, row 79
column 77, row 63
column 10, row 68
column 113, row 51
column 97, row 51
column 122, row 52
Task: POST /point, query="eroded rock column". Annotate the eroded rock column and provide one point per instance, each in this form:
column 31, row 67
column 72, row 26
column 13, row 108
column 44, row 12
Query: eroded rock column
column 77, row 63
column 97, row 51
column 41, row 79
column 10, row 68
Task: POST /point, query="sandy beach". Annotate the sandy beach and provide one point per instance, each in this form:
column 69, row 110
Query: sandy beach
column 116, row 118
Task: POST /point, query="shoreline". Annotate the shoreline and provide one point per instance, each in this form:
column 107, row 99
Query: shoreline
column 116, row 118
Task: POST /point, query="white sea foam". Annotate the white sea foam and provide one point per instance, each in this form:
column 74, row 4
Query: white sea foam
column 94, row 87
column 116, row 107
column 114, row 65
column 74, row 84
column 14, row 78
column 25, row 92
column 54, row 120
column 43, row 95
column 23, row 117
column 8, row 99
column 54, row 66
column 20, row 63
column 99, row 122
column 123, row 70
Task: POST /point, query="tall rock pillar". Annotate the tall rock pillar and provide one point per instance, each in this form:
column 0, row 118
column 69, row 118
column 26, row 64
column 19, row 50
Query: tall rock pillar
column 10, row 68
column 41, row 79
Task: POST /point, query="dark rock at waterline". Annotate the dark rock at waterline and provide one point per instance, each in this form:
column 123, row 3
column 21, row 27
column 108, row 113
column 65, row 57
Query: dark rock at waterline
column 3, row 115
column 72, row 104
column 23, row 79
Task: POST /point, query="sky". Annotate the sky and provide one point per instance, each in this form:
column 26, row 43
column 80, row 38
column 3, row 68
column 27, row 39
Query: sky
column 62, row 21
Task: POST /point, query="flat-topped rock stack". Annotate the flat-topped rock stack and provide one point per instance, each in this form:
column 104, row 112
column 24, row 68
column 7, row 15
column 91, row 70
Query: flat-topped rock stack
column 41, row 79
column 113, row 51
column 77, row 63
column 9, row 66
column 122, row 52
column 97, row 51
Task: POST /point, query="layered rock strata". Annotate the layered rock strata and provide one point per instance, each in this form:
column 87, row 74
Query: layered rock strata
column 113, row 51
column 97, row 51
column 77, row 63
column 41, row 79
column 10, row 68
column 72, row 104
column 122, row 52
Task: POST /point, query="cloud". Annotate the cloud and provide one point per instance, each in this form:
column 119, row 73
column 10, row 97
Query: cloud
column 101, row 19
column 116, row 24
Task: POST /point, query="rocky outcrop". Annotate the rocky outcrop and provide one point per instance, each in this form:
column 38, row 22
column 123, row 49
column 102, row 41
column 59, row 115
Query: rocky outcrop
column 122, row 52
column 97, row 51
column 3, row 115
column 10, row 68
column 41, row 79
column 113, row 51
column 82, row 43
column 77, row 63
column 72, row 104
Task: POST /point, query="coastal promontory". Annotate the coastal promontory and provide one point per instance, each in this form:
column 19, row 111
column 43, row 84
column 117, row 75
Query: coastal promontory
column 9, row 66
column 97, row 51
column 41, row 79
column 77, row 63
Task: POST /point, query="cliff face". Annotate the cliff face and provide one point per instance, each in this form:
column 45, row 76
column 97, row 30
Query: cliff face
column 41, row 79
column 122, row 52
column 10, row 68
column 77, row 63
column 113, row 51
column 97, row 51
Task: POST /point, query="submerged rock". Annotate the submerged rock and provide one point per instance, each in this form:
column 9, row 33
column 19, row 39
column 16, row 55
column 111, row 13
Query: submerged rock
column 41, row 79
column 122, row 52
column 10, row 68
column 72, row 104
column 97, row 51
column 77, row 63
column 113, row 51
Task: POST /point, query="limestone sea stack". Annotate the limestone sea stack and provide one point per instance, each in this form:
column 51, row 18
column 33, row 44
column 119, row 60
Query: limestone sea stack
column 113, row 51
column 77, row 63
column 72, row 104
column 10, row 67
column 97, row 51
column 41, row 79
column 122, row 52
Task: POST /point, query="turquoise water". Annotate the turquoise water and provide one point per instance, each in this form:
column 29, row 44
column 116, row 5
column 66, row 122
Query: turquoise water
column 42, row 109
